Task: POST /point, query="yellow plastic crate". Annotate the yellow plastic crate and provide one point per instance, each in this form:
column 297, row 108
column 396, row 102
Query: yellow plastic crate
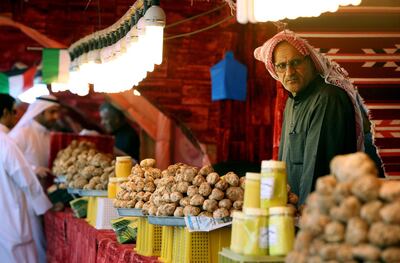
column 199, row 247
column 228, row 256
column 166, row 244
column 148, row 240
column 92, row 210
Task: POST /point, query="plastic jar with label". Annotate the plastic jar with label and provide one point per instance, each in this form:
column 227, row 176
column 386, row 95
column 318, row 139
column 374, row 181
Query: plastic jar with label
column 238, row 238
column 252, row 191
column 273, row 184
column 280, row 231
column 112, row 187
column 255, row 232
column 123, row 166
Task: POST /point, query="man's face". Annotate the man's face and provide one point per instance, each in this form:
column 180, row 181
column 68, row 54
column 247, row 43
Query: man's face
column 109, row 121
column 10, row 117
column 294, row 70
column 49, row 117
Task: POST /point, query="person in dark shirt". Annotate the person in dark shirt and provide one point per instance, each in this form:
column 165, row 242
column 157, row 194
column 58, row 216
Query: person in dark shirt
column 324, row 115
column 127, row 140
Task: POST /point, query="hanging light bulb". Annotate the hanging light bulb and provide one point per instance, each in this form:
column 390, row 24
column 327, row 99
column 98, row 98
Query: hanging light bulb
column 263, row 10
column 155, row 23
column 143, row 46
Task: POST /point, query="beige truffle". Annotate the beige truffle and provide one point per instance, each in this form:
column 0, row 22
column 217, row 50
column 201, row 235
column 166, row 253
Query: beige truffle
column 232, row 179
column 192, row 190
column 139, row 204
column 334, row 232
column 189, row 174
column 235, row 193
column 216, row 194
column 179, row 211
column 342, row 191
column 198, row 180
column 320, row 202
column 197, row 200
column 210, row 205
column 314, row 222
column 390, row 191
column 238, row 205
column 366, row 252
column 328, row 251
column 296, row 257
column 176, row 197
column 303, row 241
column 191, row 210
column 205, row 170
column 351, row 167
column 390, row 213
column 381, row 234
column 212, row 178
column 356, row 231
column 148, row 163
column 222, row 184
column 391, row 254
column 367, row 188
column 184, row 201
column 225, row 203
column 220, row 213
column 350, row 207
column 344, row 253
column 370, row 211
column 205, row 189
column 182, row 187
column 242, row 182
column 326, row 185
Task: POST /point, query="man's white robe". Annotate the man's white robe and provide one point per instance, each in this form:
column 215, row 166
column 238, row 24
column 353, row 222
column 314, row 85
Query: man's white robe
column 20, row 191
column 33, row 140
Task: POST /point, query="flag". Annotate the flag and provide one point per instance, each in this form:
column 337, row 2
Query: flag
column 56, row 64
column 17, row 81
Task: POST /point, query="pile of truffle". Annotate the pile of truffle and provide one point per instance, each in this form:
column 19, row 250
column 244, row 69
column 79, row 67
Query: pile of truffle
column 182, row 190
column 83, row 166
column 352, row 216
column 136, row 191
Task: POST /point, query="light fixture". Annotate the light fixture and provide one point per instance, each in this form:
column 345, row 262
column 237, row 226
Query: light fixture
column 155, row 23
column 265, row 10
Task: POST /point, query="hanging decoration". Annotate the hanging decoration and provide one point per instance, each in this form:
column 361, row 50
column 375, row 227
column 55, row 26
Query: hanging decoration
column 254, row 11
column 16, row 82
column 117, row 58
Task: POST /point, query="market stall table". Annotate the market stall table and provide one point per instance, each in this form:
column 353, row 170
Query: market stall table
column 71, row 239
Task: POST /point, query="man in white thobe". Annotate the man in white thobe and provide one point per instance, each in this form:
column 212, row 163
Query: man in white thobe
column 32, row 135
column 20, row 191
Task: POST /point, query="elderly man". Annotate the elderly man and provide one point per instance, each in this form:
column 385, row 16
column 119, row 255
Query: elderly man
column 324, row 114
column 20, row 191
column 7, row 113
column 32, row 135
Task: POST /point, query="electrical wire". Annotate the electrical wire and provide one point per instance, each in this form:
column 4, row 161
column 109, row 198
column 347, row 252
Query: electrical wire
column 199, row 30
column 196, row 16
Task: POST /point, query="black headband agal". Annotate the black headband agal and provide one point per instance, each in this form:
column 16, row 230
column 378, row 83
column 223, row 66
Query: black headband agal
column 48, row 99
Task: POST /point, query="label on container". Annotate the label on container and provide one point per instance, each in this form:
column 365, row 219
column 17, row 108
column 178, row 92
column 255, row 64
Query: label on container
column 267, row 187
column 272, row 235
column 263, row 239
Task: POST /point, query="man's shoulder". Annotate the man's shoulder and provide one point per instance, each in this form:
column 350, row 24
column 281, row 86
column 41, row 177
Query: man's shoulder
column 330, row 91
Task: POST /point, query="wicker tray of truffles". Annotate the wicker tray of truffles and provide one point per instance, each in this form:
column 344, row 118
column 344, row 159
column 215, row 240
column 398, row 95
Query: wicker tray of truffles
column 130, row 212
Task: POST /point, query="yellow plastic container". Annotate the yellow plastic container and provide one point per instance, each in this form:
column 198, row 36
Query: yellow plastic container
column 255, row 232
column 123, row 166
column 92, row 210
column 228, row 256
column 200, row 247
column 167, row 244
column 273, row 184
column 280, row 231
column 148, row 240
column 112, row 187
column 252, row 191
column 238, row 236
